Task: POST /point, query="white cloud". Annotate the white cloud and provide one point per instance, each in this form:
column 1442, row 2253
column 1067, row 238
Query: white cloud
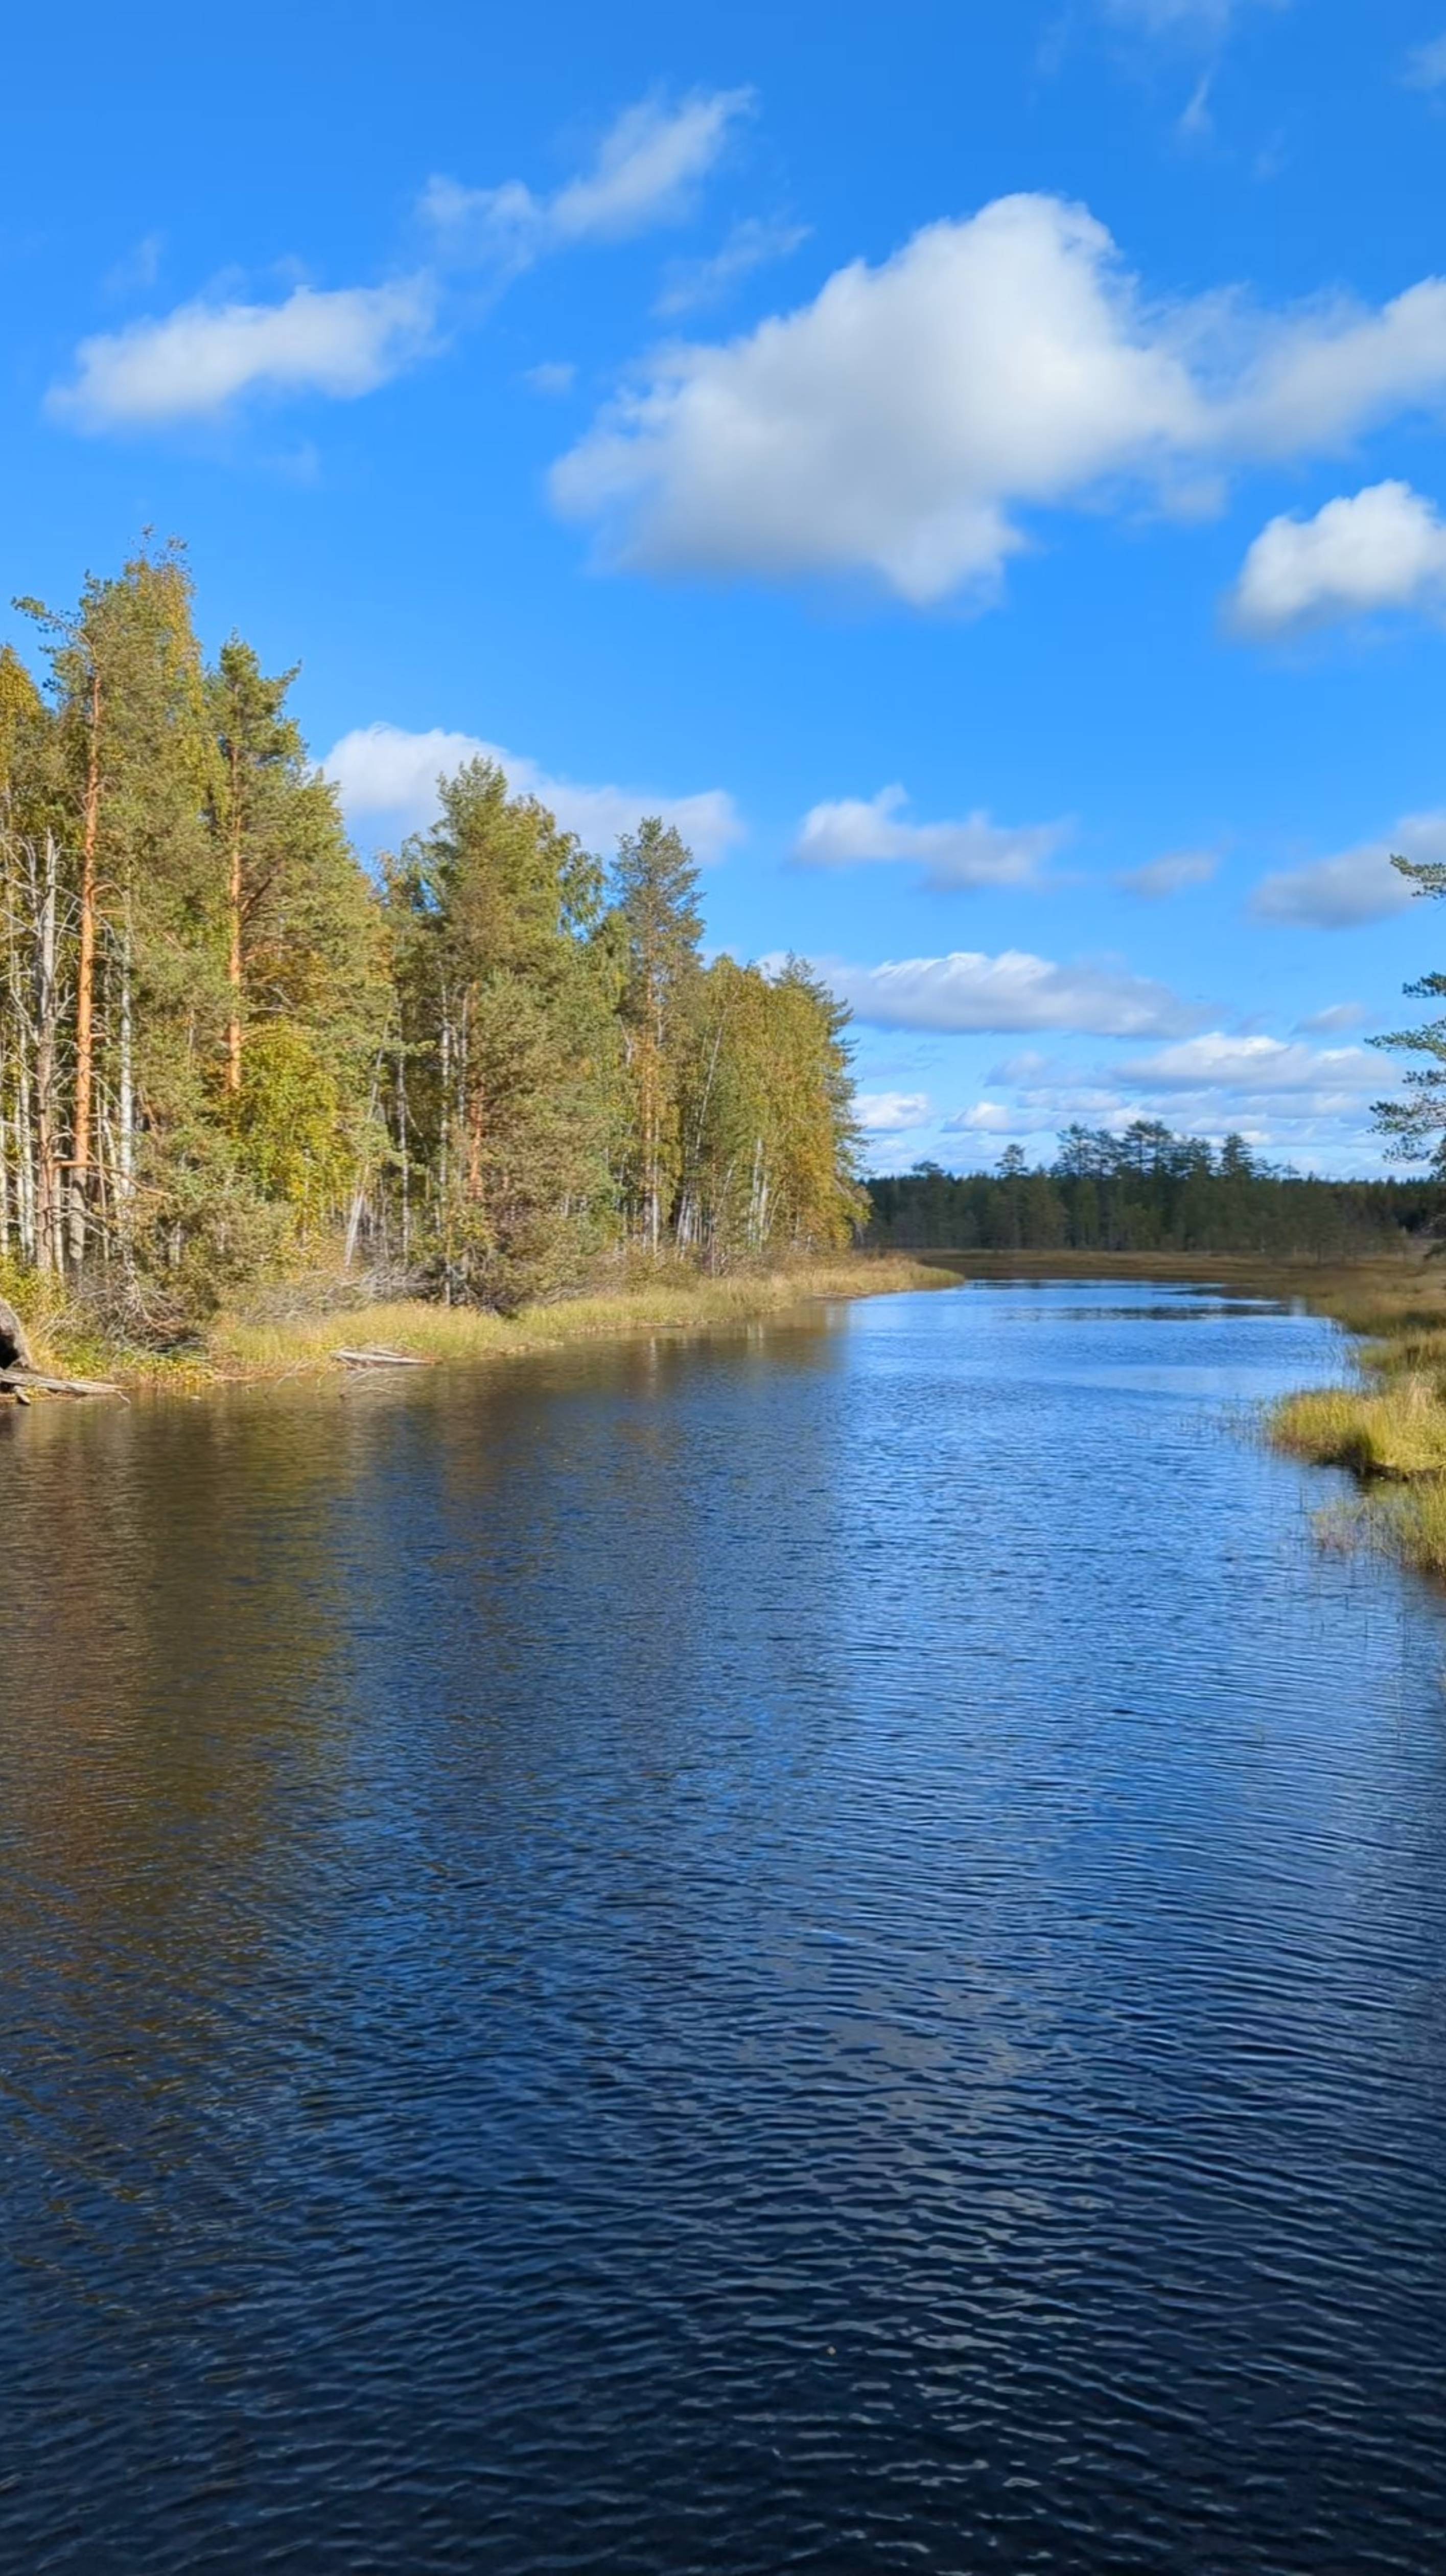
column 1254, row 1066
column 1426, row 65
column 892, row 1113
column 1358, row 885
column 646, row 171
column 1171, row 17
column 886, row 426
column 384, row 771
column 199, row 361
column 202, row 359
column 902, row 424
column 1384, row 548
column 952, row 856
column 987, row 1118
column 553, row 376
column 1171, row 875
column 751, row 244
column 1336, row 1017
column 1295, row 1099
column 971, row 992
column 1205, row 22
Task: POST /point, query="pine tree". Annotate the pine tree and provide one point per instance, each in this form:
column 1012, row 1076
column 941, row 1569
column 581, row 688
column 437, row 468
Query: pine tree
column 655, row 891
column 502, row 988
column 1416, row 1126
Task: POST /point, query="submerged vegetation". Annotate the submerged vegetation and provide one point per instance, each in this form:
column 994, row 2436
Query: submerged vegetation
column 489, row 1072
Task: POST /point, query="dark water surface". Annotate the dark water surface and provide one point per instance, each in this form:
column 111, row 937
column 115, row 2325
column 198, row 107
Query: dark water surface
column 820, row 1950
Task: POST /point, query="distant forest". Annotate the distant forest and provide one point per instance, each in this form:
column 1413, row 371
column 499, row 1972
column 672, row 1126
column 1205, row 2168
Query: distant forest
column 478, row 1067
column 1147, row 1191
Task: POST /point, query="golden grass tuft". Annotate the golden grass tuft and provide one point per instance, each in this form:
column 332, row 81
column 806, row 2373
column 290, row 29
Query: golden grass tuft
column 1398, row 1430
column 684, row 1301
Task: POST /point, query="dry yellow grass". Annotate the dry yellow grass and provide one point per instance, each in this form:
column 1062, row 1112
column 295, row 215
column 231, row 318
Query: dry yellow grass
column 1396, row 1430
column 1389, row 1429
column 238, row 1347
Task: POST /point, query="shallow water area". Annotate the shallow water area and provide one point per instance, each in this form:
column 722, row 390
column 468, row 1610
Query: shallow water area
column 819, row 1948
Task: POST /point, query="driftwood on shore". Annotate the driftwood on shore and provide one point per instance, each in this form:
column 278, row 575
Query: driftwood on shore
column 378, row 1358
column 19, row 1375
column 25, row 1382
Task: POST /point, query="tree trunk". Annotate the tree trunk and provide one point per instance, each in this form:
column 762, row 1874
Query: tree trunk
column 85, row 987
column 48, row 1214
column 234, row 959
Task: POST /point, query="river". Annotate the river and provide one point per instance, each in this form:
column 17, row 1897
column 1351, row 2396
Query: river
column 821, row 1949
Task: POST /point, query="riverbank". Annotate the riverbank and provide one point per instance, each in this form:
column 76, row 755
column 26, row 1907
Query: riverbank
column 247, row 1348
column 1387, row 1426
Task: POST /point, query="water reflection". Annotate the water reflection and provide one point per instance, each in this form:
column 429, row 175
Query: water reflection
column 823, row 1948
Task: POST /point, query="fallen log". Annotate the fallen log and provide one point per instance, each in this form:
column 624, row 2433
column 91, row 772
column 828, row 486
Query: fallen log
column 26, row 1382
column 379, row 1359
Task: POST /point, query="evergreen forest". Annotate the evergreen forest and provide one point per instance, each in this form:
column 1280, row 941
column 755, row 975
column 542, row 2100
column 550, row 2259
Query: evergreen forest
column 477, row 1070
column 1149, row 1191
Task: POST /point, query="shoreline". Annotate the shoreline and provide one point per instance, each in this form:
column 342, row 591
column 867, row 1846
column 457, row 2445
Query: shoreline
column 241, row 1350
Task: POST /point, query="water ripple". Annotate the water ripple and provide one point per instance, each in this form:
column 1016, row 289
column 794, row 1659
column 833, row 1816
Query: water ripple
column 817, row 1951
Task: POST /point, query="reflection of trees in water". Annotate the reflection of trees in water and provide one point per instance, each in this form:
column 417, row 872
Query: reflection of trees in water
column 171, row 1661
column 580, row 1617
column 267, row 1656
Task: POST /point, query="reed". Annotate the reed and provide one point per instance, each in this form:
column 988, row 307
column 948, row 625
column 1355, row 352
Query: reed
column 1398, row 1430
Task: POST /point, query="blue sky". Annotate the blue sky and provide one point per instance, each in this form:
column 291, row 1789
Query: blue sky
column 984, row 468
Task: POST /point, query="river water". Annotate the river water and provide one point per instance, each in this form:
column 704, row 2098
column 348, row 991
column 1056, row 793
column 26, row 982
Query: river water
column 823, row 1949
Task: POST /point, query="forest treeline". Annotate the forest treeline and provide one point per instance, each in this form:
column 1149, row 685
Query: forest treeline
column 1147, row 1191
column 225, row 1045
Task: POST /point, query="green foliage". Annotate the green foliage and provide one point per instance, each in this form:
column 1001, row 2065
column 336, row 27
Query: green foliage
column 224, row 1043
column 288, row 1121
column 1145, row 1191
column 1415, row 1128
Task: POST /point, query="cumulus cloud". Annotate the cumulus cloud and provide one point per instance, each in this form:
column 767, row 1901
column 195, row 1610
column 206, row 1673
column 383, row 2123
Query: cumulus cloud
column 1356, row 886
column 1254, row 1066
column 892, row 1113
column 1426, row 65
column 968, row 991
column 905, row 423
column 951, row 857
column 1384, row 548
column 204, row 358
column 647, row 169
column 1171, row 875
column 1336, row 1017
column 200, row 361
column 886, row 426
column 385, row 773
column 1298, row 1099
column 751, row 244
column 988, row 1118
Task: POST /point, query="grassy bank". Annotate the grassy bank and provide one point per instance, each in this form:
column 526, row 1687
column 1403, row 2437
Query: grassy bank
column 239, row 1348
column 1388, row 1425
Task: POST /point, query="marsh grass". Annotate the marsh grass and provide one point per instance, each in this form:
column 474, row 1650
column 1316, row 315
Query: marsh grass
column 1397, row 1430
column 1389, row 1427
column 278, row 1344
